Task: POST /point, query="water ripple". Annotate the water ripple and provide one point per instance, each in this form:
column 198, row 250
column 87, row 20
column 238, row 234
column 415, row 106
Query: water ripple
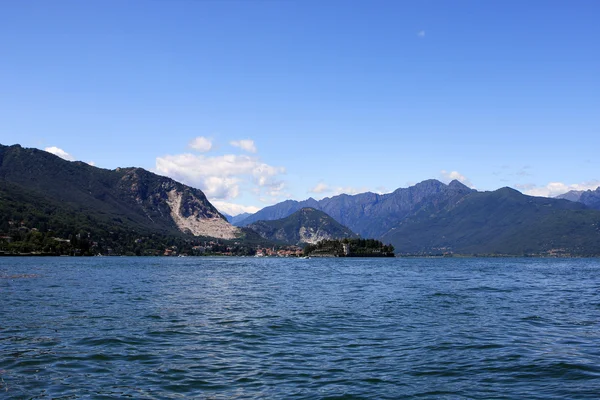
column 223, row 328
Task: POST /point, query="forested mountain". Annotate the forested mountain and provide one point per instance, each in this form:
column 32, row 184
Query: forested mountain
column 501, row 222
column 41, row 191
column 129, row 196
column 306, row 225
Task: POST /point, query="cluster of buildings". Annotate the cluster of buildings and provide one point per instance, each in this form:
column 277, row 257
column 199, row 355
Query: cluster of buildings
column 287, row 251
column 209, row 247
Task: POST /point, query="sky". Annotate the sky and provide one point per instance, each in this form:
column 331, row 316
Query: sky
column 259, row 101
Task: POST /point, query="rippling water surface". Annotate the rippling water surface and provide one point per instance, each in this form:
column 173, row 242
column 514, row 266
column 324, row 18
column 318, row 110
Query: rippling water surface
column 224, row 328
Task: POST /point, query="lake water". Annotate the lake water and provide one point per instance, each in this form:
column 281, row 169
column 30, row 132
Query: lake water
column 237, row 328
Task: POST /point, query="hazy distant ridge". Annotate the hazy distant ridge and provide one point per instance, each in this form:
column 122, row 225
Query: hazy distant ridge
column 590, row 198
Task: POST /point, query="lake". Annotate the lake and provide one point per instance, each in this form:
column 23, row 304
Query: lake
column 242, row 328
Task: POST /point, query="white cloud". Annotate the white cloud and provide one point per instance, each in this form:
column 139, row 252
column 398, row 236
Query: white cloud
column 201, row 144
column 222, row 177
column 60, row 152
column 277, row 191
column 323, row 188
column 447, row 176
column 349, row 190
column 246, row 145
column 233, row 209
column 221, row 188
column 421, row 34
column 554, row 189
column 64, row 155
column 525, row 186
column 382, row 190
column 320, row 188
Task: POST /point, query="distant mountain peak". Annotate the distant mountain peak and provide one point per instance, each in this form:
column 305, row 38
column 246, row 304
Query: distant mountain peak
column 456, row 184
column 235, row 219
column 509, row 190
column 590, row 198
column 430, row 183
column 572, row 195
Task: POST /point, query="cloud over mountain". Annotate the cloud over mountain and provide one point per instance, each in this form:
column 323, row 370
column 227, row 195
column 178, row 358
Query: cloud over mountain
column 554, row 189
column 325, row 189
column 448, row 176
column 222, row 177
column 60, row 152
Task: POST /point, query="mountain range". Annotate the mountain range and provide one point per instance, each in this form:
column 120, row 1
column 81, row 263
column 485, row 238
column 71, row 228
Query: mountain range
column 434, row 218
column 371, row 215
column 41, row 190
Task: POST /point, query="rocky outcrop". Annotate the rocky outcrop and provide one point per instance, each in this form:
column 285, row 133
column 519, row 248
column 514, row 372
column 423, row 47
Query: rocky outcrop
column 190, row 216
column 188, row 208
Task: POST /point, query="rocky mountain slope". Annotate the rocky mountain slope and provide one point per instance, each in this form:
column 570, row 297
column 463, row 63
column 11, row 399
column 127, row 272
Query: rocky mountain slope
column 128, row 198
column 306, row 225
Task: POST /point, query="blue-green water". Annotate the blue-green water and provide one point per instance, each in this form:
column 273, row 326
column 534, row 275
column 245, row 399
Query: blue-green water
column 290, row 328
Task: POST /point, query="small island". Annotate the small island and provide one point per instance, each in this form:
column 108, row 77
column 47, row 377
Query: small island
column 349, row 248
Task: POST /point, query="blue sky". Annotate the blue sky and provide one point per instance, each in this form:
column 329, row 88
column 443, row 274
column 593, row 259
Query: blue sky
column 255, row 102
